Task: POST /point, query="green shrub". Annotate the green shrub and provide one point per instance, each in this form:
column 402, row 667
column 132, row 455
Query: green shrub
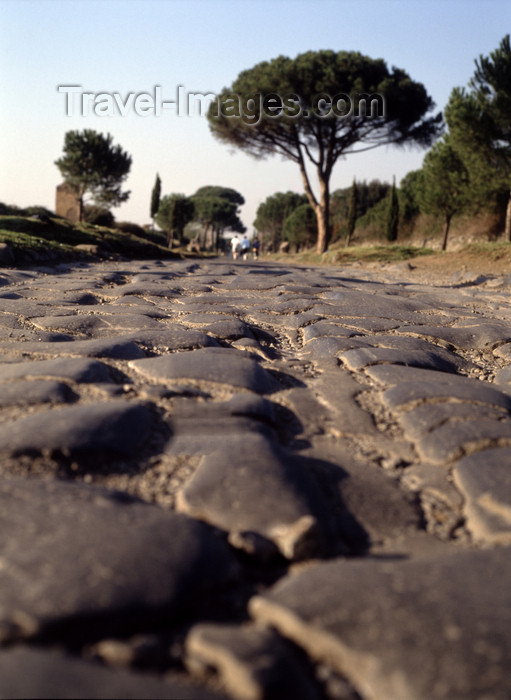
column 99, row 216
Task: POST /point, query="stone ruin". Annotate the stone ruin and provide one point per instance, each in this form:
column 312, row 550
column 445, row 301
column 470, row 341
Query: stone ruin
column 66, row 203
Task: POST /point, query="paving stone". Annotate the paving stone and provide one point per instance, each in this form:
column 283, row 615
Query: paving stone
column 454, row 439
column 33, row 392
column 368, row 324
column 228, row 329
column 416, row 386
column 89, row 324
column 135, row 563
column 503, row 351
column 117, row 348
column 423, row 419
column 252, row 663
column 323, row 329
column 173, row 337
column 464, row 337
column 77, row 297
column 259, row 282
column 30, row 308
column 427, row 359
column 116, row 427
column 338, row 392
column 118, row 310
column 218, row 365
column 325, row 350
column 254, row 486
column 503, row 378
column 35, row 673
column 484, row 479
column 381, row 305
column 408, row 344
column 427, row 629
column 200, row 429
column 371, row 507
column 168, row 289
column 75, row 369
column 9, row 321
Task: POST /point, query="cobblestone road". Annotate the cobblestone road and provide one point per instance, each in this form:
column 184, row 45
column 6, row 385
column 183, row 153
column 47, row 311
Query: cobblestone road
column 252, row 481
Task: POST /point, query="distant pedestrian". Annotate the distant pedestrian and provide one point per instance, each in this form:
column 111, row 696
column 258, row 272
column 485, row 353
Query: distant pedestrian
column 245, row 247
column 256, row 244
column 236, row 247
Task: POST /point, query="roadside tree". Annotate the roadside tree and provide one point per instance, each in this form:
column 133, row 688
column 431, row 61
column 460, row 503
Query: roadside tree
column 155, row 198
column 479, row 122
column 301, row 227
column 444, row 184
column 319, row 107
column 272, row 213
column 94, row 168
column 174, row 213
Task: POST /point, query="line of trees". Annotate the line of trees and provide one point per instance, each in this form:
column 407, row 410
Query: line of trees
column 206, row 215
column 470, row 166
column 466, row 171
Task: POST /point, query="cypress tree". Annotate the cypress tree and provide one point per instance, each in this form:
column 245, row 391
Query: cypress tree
column 352, row 212
column 392, row 214
column 155, row 197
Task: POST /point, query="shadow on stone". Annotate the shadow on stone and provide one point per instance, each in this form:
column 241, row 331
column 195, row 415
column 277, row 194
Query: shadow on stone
column 344, row 535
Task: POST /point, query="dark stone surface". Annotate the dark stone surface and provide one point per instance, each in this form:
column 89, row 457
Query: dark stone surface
column 484, row 479
column 218, row 365
column 337, row 440
column 78, row 370
column 401, row 629
column 31, row 673
column 253, row 486
column 78, row 559
column 252, row 662
column 116, row 427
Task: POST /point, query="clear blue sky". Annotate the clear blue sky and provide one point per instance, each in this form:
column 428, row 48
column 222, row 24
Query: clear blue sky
column 131, row 46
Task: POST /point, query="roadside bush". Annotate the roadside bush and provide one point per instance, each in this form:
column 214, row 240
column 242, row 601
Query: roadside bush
column 99, row 216
column 129, row 227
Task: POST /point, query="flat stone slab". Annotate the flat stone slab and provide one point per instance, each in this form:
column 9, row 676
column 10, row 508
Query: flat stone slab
column 464, row 337
column 33, row 673
column 325, row 329
column 173, row 337
column 88, row 324
column 33, row 392
column 76, row 369
column 427, row 359
column 484, row 479
column 253, row 663
column 430, row 629
column 118, row 349
column 412, row 386
column 454, row 439
column 115, row 427
column 200, row 429
column 252, row 486
column 218, row 365
column 423, row 419
column 90, row 559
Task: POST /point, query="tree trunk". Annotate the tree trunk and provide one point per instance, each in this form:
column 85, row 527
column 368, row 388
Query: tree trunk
column 446, row 231
column 507, row 230
column 323, row 232
column 322, row 209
